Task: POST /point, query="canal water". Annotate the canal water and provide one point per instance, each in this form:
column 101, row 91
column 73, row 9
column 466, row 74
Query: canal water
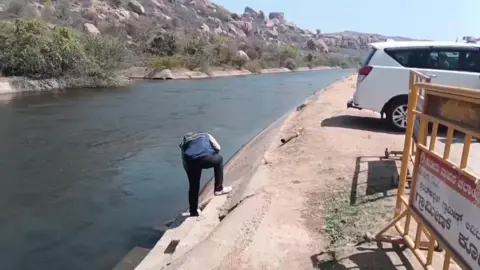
column 85, row 175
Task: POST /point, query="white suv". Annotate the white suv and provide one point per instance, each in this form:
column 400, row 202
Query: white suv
column 382, row 84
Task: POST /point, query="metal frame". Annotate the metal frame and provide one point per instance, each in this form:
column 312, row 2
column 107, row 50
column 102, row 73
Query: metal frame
column 404, row 211
column 415, row 77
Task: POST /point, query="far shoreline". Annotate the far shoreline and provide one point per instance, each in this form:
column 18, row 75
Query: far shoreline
column 19, row 85
column 142, row 73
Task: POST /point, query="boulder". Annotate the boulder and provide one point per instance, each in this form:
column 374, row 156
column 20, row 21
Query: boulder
column 235, row 16
column 247, row 19
column 232, row 29
column 162, row 7
column 165, row 74
column 269, row 23
column 91, row 29
column 242, row 55
column 246, row 27
column 261, row 16
column 290, row 25
column 205, row 28
column 136, row 7
column 162, row 16
column 214, row 20
column 277, row 15
column 249, row 10
column 116, row 3
column 272, row 33
column 219, row 31
column 282, row 28
column 317, row 45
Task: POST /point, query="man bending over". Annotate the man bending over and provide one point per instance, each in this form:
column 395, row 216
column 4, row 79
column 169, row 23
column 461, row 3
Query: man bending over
column 201, row 151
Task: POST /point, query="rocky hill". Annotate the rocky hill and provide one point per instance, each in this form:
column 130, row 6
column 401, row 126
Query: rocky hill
column 99, row 38
column 127, row 18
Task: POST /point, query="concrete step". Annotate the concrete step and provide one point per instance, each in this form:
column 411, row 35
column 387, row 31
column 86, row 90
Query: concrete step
column 132, row 259
column 160, row 254
column 202, row 229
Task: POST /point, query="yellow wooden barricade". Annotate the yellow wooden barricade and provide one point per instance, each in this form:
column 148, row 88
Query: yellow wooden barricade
column 437, row 178
column 415, row 77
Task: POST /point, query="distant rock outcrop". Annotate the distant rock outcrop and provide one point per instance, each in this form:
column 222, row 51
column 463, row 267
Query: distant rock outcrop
column 250, row 10
column 277, row 15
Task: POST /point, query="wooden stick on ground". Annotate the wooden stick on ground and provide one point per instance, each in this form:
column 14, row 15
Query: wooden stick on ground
column 289, row 138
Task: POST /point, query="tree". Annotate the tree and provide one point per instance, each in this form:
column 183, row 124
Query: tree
column 163, row 45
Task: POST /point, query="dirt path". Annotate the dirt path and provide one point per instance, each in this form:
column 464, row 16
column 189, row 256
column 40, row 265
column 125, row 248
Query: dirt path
column 303, row 172
column 318, row 192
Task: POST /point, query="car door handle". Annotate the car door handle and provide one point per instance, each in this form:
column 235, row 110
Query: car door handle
column 431, row 75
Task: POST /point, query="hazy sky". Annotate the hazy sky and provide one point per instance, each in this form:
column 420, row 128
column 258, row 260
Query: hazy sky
column 431, row 19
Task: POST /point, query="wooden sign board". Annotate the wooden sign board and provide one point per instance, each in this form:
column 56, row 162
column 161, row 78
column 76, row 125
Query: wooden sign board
column 449, row 202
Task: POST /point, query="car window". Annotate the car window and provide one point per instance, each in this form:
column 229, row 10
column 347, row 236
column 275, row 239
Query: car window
column 401, row 56
column 412, row 58
column 471, row 62
column 437, row 58
column 444, row 60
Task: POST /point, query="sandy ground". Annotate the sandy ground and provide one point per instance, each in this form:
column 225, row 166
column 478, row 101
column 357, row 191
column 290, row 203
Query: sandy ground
column 322, row 190
column 303, row 172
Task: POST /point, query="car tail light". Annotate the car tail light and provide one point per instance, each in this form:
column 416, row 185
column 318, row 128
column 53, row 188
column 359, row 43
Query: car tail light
column 363, row 72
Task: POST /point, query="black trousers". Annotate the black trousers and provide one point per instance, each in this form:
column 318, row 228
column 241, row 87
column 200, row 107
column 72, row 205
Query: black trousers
column 194, row 168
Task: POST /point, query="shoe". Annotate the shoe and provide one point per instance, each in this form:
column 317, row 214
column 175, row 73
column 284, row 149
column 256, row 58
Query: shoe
column 192, row 214
column 198, row 213
column 224, row 191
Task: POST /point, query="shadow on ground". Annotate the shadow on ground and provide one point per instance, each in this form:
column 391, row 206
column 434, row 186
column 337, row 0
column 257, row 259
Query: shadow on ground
column 362, row 258
column 357, row 122
column 378, row 125
column 382, row 176
column 458, row 138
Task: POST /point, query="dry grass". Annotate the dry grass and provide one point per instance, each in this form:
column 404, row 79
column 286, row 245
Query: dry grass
column 364, row 204
column 347, row 223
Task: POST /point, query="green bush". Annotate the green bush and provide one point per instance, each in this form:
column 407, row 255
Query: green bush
column 309, row 58
column 106, row 53
column 33, row 49
column 290, row 64
column 223, row 51
column 270, row 60
column 254, row 66
column 288, row 51
column 163, row 45
column 195, row 45
column 198, row 53
column 157, row 63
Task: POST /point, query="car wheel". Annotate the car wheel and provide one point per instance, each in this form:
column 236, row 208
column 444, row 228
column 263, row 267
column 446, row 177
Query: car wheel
column 396, row 114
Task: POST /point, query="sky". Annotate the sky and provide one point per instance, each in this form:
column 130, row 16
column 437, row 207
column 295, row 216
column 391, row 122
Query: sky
column 443, row 20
